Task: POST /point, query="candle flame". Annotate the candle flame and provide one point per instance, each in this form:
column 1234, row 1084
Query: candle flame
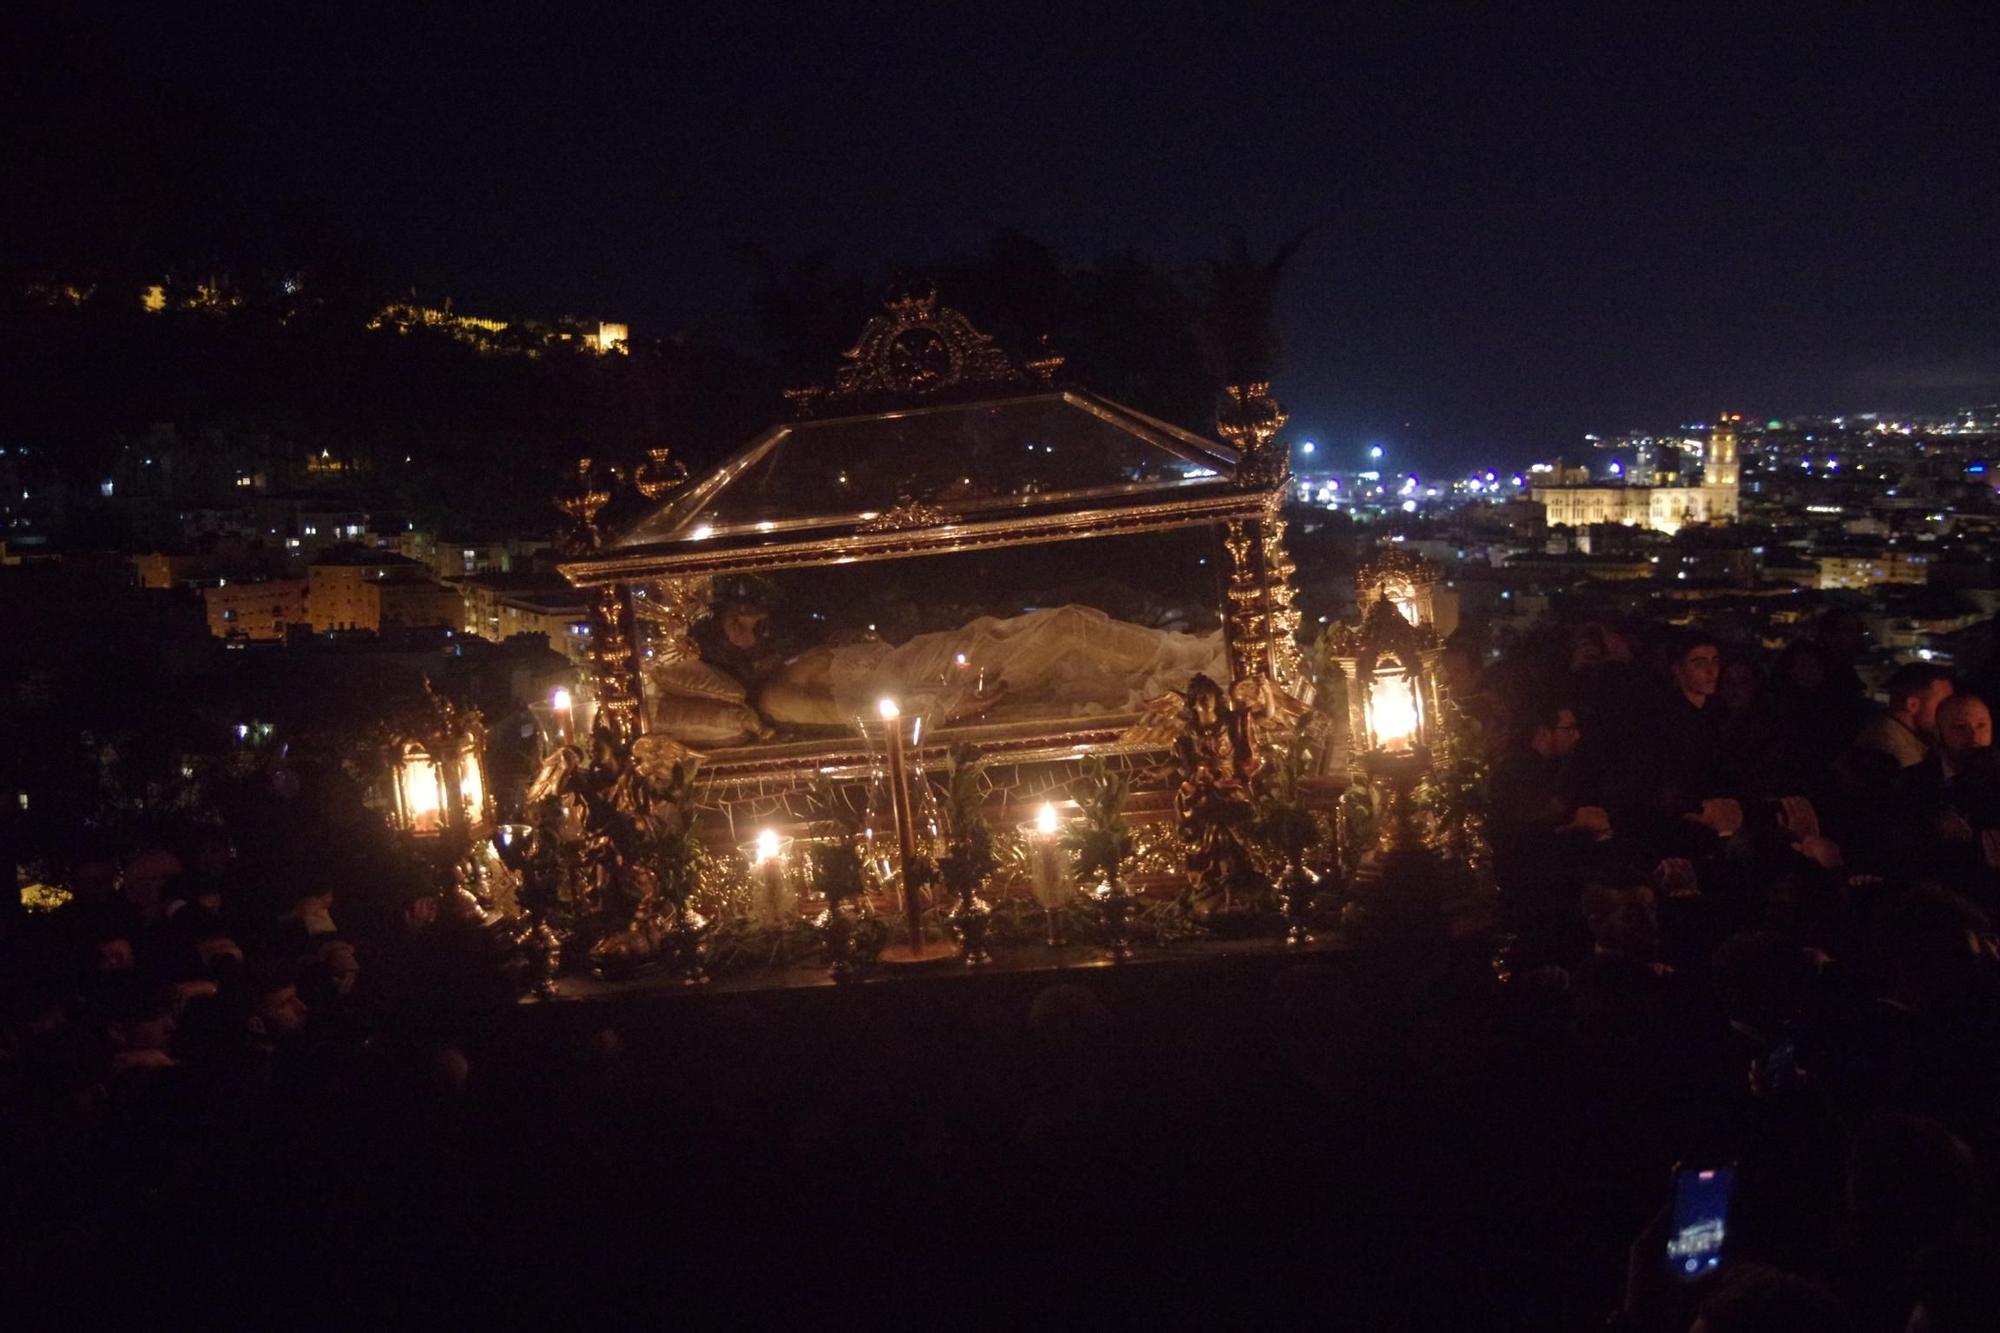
column 560, row 700
column 767, row 846
column 887, row 708
column 1392, row 713
column 960, row 659
column 1045, row 822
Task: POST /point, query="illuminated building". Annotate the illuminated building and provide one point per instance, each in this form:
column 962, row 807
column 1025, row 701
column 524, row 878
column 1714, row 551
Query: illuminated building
column 452, row 558
column 499, row 335
column 501, row 606
column 208, row 560
column 354, row 588
column 1866, row 567
column 562, row 617
column 414, row 602
column 262, row 609
column 1663, row 508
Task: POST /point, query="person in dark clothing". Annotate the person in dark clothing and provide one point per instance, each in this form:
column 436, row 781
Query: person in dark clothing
column 1907, row 730
column 1547, row 841
column 1694, row 757
column 1816, row 717
column 1751, row 733
column 1674, row 789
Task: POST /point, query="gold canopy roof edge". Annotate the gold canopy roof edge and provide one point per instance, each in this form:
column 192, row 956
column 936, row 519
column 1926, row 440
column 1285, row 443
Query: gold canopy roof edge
column 944, row 539
column 1182, row 444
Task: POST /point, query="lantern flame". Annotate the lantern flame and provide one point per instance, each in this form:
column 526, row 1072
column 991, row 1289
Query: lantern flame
column 560, row 700
column 767, row 846
column 887, row 708
column 471, row 787
column 423, row 793
column 1392, row 713
column 1045, row 822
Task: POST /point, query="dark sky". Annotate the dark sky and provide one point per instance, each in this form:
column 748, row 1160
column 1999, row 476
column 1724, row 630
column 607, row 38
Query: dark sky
column 1535, row 221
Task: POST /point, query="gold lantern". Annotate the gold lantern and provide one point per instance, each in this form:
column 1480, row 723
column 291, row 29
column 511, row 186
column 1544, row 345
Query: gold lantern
column 1408, row 582
column 1395, row 704
column 438, row 769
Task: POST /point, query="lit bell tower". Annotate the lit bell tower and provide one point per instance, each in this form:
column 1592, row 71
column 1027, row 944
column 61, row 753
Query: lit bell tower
column 1719, row 462
column 1719, row 476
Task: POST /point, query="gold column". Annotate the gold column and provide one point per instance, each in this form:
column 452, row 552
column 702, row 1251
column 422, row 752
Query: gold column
column 1261, row 624
column 614, row 663
column 613, row 656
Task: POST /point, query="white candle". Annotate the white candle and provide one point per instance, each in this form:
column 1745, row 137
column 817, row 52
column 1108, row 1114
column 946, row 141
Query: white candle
column 1047, row 870
column 767, row 868
column 906, row 834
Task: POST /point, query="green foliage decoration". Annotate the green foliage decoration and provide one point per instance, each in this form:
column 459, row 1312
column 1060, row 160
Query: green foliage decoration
column 1101, row 839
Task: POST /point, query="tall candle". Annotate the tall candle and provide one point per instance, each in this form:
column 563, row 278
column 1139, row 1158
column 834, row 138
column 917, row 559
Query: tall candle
column 1046, row 870
column 768, row 873
column 906, row 834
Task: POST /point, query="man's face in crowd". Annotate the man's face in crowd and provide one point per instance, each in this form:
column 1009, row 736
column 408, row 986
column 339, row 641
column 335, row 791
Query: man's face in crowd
column 114, row 955
column 1563, row 736
column 1586, row 647
column 283, row 1012
column 342, row 967
column 152, row 1033
column 1965, row 723
column 1739, row 685
column 1625, row 920
column 1699, row 671
column 1927, row 704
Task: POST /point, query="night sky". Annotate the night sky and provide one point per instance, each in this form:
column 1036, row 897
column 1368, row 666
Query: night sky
column 1532, row 222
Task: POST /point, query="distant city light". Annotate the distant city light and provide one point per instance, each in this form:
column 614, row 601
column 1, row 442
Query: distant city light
column 1307, row 447
column 1409, row 506
column 1374, row 451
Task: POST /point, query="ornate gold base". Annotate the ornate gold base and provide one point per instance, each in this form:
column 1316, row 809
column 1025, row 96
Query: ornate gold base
column 930, row 951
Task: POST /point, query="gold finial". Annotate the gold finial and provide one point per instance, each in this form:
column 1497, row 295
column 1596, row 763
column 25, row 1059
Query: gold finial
column 660, row 475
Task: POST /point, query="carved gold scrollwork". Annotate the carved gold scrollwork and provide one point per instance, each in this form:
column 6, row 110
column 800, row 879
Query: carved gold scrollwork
column 660, row 475
column 917, row 348
column 1250, row 420
column 907, row 514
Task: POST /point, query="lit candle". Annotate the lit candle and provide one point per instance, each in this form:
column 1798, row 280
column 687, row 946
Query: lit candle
column 773, row 897
column 565, row 709
column 963, row 668
column 906, row 834
column 1046, row 868
column 768, row 869
column 1393, row 712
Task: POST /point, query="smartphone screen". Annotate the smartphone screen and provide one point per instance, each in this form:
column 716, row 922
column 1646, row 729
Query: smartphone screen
column 1701, row 1216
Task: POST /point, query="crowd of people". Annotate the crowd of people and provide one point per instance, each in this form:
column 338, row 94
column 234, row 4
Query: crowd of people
column 183, row 1021
column 1746, row 923
column 1757, row 908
